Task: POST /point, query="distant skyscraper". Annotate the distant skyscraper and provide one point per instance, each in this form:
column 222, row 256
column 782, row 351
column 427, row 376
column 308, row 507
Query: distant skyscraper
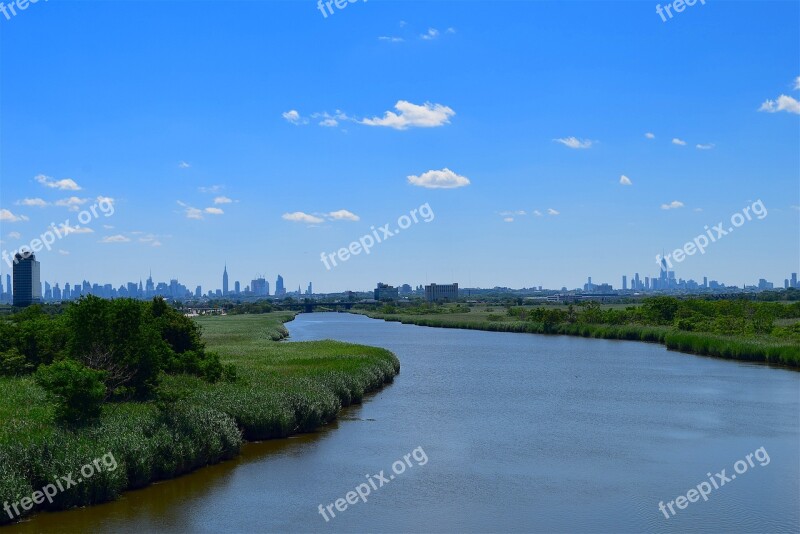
column 794, row 280
column 624, row 282
column 310, row 289
column 280, row 291
column 237, row 287
column 225, row 281
column 27, row 286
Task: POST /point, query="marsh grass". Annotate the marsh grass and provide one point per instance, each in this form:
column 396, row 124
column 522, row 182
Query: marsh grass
column 280, row 389
column 761, row 349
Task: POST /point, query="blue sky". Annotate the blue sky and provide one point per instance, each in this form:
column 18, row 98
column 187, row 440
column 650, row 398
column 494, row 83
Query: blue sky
column 166, row 106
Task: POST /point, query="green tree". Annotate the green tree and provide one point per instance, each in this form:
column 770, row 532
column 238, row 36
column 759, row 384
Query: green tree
column 77, row 390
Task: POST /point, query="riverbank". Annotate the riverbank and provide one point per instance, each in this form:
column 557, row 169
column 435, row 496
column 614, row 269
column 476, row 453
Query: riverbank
column 760, row 349
column 280, row 389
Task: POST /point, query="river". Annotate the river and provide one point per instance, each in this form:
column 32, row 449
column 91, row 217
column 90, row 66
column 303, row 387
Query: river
column 512, row 433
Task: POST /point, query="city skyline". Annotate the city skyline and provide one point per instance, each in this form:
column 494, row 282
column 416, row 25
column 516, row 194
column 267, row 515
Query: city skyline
column 534, row 178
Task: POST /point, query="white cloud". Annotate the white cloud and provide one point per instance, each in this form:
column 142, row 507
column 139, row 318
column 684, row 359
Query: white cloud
column 71, row 203
column 537, row 213
column 680, row 142
column 293, row 117
column 14, row 235
column 183, row 165
column 797, row 83
column 119, row 238
column 214, row 211
column 7, row 216
column 79, row 230
column 675, row 204
column 299, row 216
column 650, row 135
column 784, row 103
column 574, row 142
column 624, row 180
column 509, row 219
column 65, row 185
column 329, row 123
column 191, row 213
column 707, row 146
column 551, row 211
column 411, row 115
column 344, row 215
column 63, row 252
column 32, row 202
column 222, row 200
column 389, row 39
column 431, row 34
column 443, row 179
column 451, row 30
column 518, row 213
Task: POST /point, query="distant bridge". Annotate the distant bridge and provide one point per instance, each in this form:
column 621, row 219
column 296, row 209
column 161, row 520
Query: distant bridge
column 310, row 307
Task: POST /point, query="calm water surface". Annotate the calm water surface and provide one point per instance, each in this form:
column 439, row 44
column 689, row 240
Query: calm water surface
column 522, row 433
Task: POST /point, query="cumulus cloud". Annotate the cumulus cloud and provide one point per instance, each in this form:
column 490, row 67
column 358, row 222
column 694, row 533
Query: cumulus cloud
column 119, row 238
column 299, row 216
column 64, row 185
column 411, row 115
column 344, row 215
column 679, row 142
column 214, row 211
column 293, row 117
column 508, row 219
column 71, row 203
column 517, row 213
column 675, row 204
column 222, row 200
column 212, row 189
column 32, row 202
column 191, row 212
column 430, row 35
column 7, row 216
column 574, row 142
column 443, row 179
column 650, row 135
column 538, row 213
column 784, row 103
column 551, row 211
column 624, row 180
column 707, row 146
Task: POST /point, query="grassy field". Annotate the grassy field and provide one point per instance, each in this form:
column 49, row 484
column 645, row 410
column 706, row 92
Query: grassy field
column 281, row 389
column 760, row 348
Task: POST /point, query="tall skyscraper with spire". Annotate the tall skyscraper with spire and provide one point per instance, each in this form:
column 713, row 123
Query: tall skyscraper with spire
column 225, row 281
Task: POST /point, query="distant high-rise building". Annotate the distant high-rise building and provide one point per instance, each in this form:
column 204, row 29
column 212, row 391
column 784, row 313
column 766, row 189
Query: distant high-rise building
column 310, row 290
column 794, row 281
column 27, row 286
column 386, row 292
column 260, row 287
column 280, row 290
column 624, row 282
column 198, row 292
column 237, row 287
column 225, row 281
column 448, row 292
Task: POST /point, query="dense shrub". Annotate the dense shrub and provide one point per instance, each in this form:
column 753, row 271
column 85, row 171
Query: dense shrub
column 78, row 391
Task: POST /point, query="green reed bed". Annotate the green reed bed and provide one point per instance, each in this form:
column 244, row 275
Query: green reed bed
column 762, row 349
column 280, row 389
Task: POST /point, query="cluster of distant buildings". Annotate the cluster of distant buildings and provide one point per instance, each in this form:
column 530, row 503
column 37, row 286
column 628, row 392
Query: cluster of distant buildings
column 432, row 292
column 26, row 288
